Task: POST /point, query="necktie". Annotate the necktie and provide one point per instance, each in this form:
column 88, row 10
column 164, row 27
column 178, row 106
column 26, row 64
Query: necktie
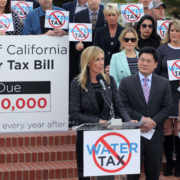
column 93, row 20
column 146, row 89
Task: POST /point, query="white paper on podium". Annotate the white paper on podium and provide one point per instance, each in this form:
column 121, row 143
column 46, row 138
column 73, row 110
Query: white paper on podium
column 148, row 135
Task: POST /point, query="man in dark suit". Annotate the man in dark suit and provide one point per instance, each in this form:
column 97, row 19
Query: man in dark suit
column 147, row 98
column 93, row 14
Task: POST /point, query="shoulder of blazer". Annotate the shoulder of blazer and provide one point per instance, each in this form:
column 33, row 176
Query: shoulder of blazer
column 81, row 14
column 69, row 4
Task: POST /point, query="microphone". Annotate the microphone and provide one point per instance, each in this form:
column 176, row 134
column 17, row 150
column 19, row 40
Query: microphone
column 100, row 79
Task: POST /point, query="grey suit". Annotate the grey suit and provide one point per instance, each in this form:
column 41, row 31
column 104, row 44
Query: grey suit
column 158, row 108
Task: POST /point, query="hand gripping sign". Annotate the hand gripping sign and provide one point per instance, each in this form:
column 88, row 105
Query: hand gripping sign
column 162, row 27
column 57, row 19
column 132, row 13
column 6, row 22
column 21, row 8
column 174, row 69
column 111, row 152
column 80, row 32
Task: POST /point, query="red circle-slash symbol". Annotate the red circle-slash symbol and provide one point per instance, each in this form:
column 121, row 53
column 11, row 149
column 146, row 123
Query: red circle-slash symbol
column 77, row 26
column 165, row 25
column 114, row 153
column 175, row 64
column 6, row 26
column 19, row 4
column 128, row 8
column 55, row 16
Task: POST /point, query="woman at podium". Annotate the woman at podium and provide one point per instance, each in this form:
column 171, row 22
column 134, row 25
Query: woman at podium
column 89, row 102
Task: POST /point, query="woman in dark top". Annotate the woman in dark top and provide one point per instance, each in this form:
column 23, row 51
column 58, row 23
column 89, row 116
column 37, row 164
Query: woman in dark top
column 107, row 37
column 170, row 50
column 5, row 8
column 146, row 30
column 86, row 102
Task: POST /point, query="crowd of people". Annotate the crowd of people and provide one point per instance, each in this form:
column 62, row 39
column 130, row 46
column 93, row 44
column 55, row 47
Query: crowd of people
column 133, row 63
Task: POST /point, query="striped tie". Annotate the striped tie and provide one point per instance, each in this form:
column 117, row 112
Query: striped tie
column 146, row 89
column 93, row 20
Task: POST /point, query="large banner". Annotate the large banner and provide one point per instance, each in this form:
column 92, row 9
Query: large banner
column 113, row 152
column 34, row 83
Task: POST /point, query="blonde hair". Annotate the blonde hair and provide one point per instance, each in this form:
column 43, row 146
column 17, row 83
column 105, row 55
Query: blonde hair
column 124, row 33
column 89, row 55
column 110, row 8
column 176, row 24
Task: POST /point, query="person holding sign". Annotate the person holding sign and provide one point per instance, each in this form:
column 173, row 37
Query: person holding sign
column 170, row 50
column 146, row 30
column 5, row 8
column 35, row 20
column 147, row 98
column 87, row 104
column 94, row 15
column 124, row 63
column 107, row 37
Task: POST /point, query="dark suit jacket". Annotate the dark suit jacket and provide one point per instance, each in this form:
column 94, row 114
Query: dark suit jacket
column 159, row 103
column 103, row 40
column 83, row 17
column 71, row 7
column 84, row 107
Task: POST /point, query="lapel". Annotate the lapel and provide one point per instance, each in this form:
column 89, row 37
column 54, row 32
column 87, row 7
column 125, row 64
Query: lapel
column 138, row 86
column 86, row 16
column 124, row 62
column 118, row 32
column 91, row 94
column 106, row 35
column 154, row 85
column 72, row 10
column 100, row 20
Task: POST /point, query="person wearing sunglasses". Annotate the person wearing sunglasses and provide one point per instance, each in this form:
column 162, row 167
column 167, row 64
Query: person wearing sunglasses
column 170, row 50
column 146, row 30
column 124, row 63
column 107, row 37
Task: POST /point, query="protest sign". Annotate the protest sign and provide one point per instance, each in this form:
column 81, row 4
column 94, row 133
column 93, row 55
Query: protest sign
column 6, row 22
column 112, row 152
column 80, row 32
column 132, row 13
column 173, row 69
column 21, row 8
column 57, row 19
column 162, row 27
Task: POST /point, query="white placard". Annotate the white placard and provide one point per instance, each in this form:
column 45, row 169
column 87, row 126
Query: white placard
column 57, row 19
column 112, row 152
column 162, row 27
column 132, row 12
column 34, row 83
column 80, row 32
column 6, row 22
column 21, row 8
column 173, row 69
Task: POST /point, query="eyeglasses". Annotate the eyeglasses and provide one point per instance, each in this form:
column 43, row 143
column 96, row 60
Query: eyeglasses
column 129, row 39
column 145, row 25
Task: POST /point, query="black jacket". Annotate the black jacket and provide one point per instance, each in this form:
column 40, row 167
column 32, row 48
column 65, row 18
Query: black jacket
column 103, row 40
column 159, row 103
column 84, row 107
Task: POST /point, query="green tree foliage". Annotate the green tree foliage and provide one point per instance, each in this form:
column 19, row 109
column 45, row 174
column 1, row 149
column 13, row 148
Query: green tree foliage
column 173, row 8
